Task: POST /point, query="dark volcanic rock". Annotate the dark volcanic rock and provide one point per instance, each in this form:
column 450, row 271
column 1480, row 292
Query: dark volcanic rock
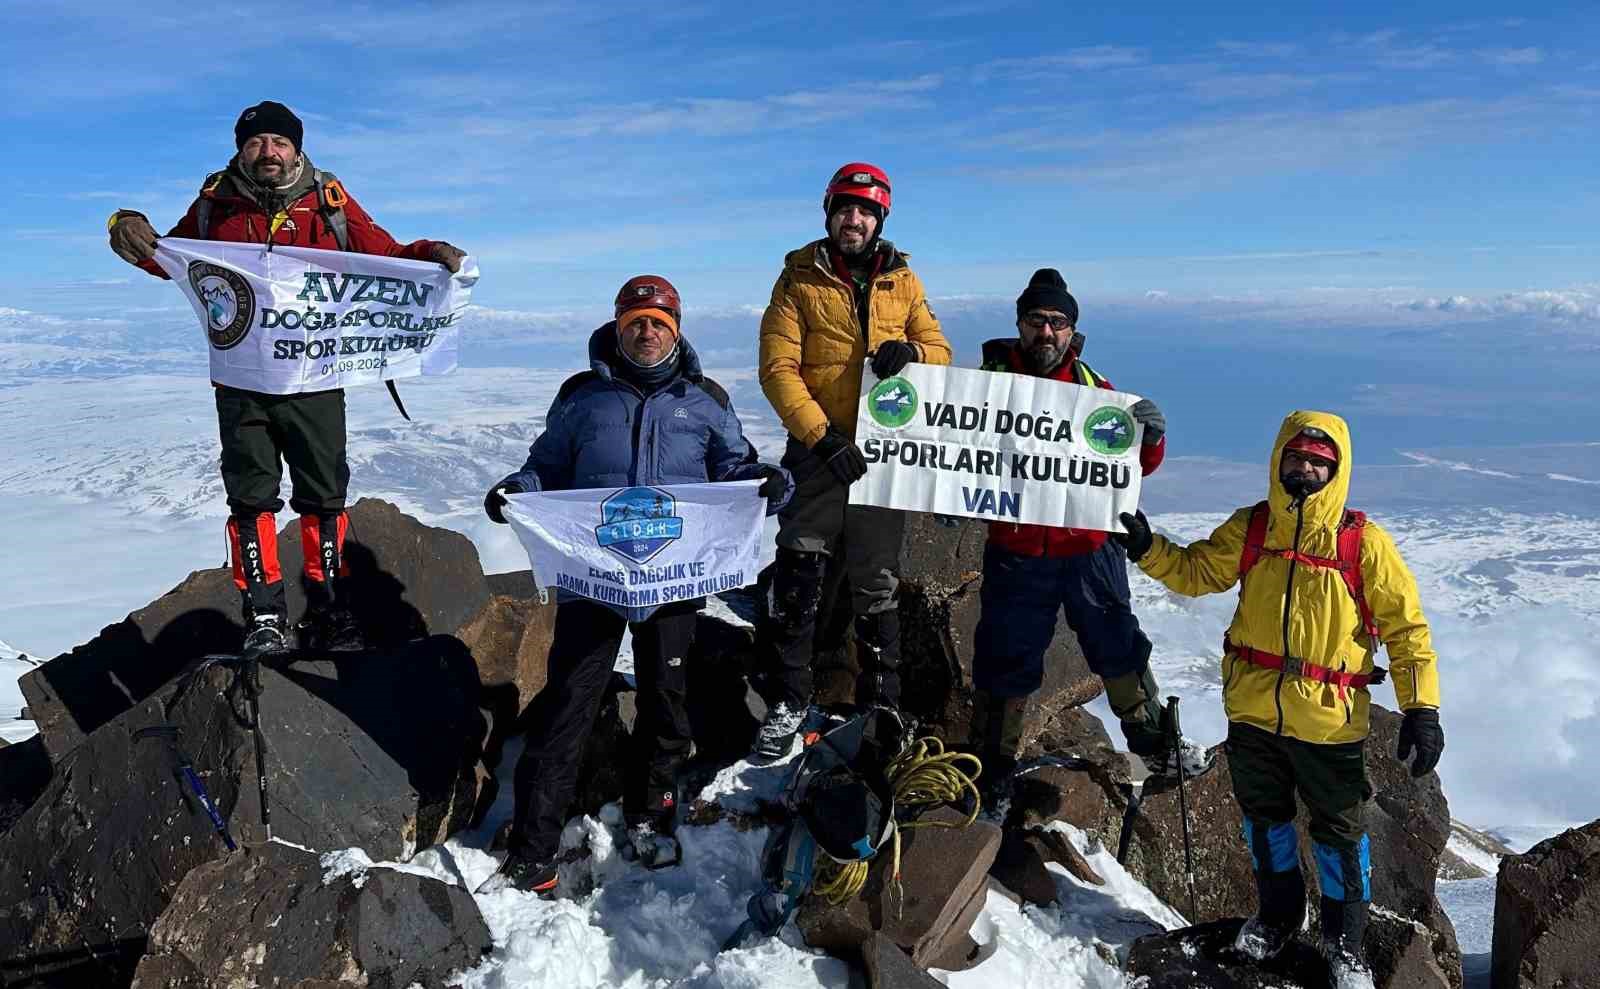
column 264, row 917
column 407, row 580
column 944, row 876
column 1408, row 820
column 942, row 571
column 377, row 751
column 889, row 967
column 1201, row 957
column 1547, row 914
column 24, row 774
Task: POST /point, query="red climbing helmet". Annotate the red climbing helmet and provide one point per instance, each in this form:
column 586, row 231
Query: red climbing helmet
column 859, row 180
column 649, row 292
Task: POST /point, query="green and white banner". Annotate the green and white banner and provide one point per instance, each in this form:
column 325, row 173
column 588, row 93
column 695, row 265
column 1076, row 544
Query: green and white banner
column 997, row 446
column 297, row 319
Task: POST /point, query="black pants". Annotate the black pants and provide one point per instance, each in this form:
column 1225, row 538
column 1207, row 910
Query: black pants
column 1331, row 780
column 821, row 534
column 587, row 637
column 261, row 433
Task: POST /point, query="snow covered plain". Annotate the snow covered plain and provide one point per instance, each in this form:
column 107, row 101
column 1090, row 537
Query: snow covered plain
column 109, row 496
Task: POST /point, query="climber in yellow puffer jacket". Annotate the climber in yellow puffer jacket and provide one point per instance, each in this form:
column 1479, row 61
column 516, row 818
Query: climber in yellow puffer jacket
column 1320, row 588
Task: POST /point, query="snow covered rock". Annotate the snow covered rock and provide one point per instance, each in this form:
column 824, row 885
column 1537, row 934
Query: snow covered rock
column 944, row 882
column 1021, row 865
column 407, row 580
column 1546, row 913
column 273, row 916
column 377, row 751
column 1201, row 957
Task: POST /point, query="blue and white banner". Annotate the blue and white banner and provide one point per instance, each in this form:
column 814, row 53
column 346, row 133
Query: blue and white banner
column 636, row 549
column 297, row 319
column 998, row 446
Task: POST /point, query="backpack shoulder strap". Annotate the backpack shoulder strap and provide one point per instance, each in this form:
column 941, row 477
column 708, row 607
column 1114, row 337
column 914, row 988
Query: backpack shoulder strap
column 331, row 200
column 1350, row 531
column 1255, row 538
column 204, row 204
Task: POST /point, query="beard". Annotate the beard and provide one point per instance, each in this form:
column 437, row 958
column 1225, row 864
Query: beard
column 1301, row 486
column 1042, row 358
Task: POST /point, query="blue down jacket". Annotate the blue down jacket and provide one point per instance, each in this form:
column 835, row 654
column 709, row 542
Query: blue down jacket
column 602, row 432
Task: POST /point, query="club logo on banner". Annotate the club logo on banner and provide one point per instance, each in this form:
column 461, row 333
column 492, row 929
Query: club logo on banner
column 1109, row 429
column 295, row 319
column 653, row 546
column 999, row 446
column 892, row 402
column 230, row 306
column 638, row 523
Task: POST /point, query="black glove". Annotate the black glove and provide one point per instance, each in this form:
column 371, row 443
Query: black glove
column 949, row 521
column 132, row 237
column 892, row 357
column 1137, row 539
column 1149, row 415
column 1421, row 730
column 495, row 500
column 841, row 455
column 771, row 488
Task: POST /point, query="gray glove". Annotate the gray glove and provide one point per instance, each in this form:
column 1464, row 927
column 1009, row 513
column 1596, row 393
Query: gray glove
column 448, row 255
column 1148, row 414
column 132, row 237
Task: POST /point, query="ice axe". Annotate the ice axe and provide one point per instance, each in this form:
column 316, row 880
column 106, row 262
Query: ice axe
column 1183, row 802
column 183, row 770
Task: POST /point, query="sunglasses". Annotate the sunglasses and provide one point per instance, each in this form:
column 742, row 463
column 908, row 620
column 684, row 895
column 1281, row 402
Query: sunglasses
column 1038, row 321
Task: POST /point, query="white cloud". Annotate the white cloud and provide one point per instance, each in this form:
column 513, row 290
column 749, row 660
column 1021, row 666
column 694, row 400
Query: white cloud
column 1580, row 304
column 1512, row 56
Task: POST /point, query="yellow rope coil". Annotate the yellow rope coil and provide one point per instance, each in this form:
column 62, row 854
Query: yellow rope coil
column 921, row 775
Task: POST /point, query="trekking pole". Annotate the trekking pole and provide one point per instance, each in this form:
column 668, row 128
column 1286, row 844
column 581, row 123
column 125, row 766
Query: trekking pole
column 1183, row 804
column 250, row 669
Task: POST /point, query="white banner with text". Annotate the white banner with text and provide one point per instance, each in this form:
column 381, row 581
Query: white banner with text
column 297, row 319
column 998, row 446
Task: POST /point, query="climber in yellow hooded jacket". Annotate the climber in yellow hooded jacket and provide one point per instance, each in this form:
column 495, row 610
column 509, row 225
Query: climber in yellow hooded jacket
column 1296, row 666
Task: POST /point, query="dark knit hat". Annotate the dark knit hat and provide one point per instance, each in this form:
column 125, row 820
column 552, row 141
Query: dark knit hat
column 1047, row 290
column 268, row 117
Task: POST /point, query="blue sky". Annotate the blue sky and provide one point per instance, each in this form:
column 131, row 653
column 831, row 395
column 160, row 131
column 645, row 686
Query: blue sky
column 1210, row 180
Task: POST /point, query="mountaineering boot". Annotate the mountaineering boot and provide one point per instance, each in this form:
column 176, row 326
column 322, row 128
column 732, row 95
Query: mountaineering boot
column 1345, row 971
column 1280, row 916
column 777, row 733
column 266, row 634
column 1147, row 728
column 1196, row 760
column 253, row 545
column 328, row 625
column 651, row 846
column 1345, row 877
column 527, row 874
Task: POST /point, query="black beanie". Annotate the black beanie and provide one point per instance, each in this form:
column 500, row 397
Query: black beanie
column 1047, row 290
column 268, row 117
